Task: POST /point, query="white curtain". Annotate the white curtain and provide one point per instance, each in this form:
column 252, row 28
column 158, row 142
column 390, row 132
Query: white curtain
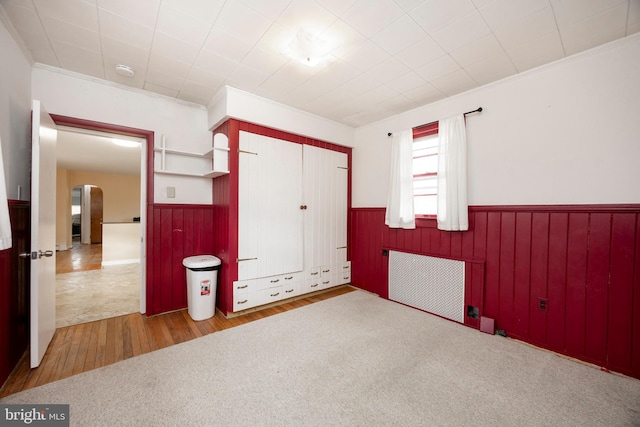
column 453, row 212
column 400, row 199
column 5, row 224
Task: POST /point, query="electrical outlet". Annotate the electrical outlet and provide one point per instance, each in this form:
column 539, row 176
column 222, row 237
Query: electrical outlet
column 171, row 192
column 543, row 303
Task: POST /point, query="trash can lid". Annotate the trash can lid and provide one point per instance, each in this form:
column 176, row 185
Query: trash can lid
column 201, row 261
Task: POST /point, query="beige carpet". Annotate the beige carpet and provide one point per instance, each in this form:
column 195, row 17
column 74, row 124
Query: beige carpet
column 352, row 360
column 86, row 296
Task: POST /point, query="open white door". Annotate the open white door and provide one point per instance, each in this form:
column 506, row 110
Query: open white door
column 43, row 232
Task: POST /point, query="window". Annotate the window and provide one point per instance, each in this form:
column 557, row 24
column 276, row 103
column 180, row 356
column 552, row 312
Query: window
column 425, row 170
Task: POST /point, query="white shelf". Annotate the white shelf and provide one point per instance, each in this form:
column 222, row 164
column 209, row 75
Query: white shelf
column 219, row 155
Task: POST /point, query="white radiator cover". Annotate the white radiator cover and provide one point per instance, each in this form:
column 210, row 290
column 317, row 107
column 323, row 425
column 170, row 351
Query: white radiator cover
column 435, row 285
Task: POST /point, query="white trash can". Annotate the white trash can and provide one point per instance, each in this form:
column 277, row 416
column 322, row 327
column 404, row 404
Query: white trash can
column 202, row 275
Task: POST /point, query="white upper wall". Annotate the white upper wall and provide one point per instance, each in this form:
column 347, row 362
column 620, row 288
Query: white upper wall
column 183, row 125
column 235, row 103
column 564, row 133
column 15, row 116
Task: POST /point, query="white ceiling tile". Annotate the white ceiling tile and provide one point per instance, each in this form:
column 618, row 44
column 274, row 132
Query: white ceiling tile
column 335, row 74
column 275, row 39
column 399, row 35
column 216, row 64
column 268, row 62
column 71, row 34
column 571, row 11
column 477, row 50
column 438, row 68
column 224, row 44
column 360, row 84
column 182, row 26
column 144, row 12
column 433, row 15
column 306, row 14
column 123, row 53
column 246, row 78
column 170, row 47
column 594, row 30
column 547, row 48
column 454, row 83
column 370, row 16
column 461, row 32
column 337, row 7
column 491, row 69
column 408, row 5
column 75, row 12
column 204, row 10
column 168, row 65
column 79, row 60
column 271, row 9
column 6, row 4
column 480, row 3
column 152, row 87
column 243, row 22
column 424, row 94
column 421, row 53
column 399, row 104
column 343, row 37
column 44, row 54
column 498, row 12
column 528, row 30
column 365, row 55
column 196, row 92
column 119, row 28
column 633, row 20
column 387, row 70
column 406, row 82
column 205, row 77
column 158, row 76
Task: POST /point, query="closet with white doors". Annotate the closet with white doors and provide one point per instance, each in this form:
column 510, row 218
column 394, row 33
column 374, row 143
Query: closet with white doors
column 292, row 220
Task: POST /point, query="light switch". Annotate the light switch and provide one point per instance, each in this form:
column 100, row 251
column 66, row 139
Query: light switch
column 171, row 192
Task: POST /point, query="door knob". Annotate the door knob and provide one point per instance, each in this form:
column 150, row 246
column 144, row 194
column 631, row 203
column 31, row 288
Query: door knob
column 45, row 254
column 27, row 255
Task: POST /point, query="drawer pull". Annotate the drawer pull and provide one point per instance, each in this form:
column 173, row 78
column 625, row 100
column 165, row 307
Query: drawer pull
column 315, row 273
column 242, row 287
column 275, row 295
column 328, row 281
column 313, row 286
column 345, row 278
column 326, row 271
column 275, row 281
column 346, row 266
column 288, row 278
column 245, row 259
column 289, row 291
column 242, row 302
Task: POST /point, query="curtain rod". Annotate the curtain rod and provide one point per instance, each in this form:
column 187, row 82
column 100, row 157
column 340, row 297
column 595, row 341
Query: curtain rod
column 477, row 110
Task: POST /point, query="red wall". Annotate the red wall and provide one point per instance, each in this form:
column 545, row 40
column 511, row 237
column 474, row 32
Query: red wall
column 584, row 260
column 176, row 232
column 14, row 290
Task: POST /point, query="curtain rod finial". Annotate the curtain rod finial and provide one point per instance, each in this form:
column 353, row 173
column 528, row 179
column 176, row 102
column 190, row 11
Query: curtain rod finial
column 389, row 134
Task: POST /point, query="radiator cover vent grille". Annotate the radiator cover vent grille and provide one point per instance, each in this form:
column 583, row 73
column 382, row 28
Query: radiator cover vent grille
column 435, row 285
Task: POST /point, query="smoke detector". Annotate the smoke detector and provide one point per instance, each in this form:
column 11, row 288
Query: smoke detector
column 125, row 70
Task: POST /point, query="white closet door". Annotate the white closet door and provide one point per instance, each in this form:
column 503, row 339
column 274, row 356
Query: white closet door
column 325, row 179
column 341, row 172
column 270, row 221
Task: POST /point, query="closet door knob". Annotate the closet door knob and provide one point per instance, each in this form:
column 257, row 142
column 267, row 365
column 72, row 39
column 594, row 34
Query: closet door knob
column 303, row 207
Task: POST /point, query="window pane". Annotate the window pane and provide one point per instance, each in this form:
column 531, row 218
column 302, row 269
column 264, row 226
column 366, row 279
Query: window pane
column 425, row 165
column 425, row 186
column 425, row 205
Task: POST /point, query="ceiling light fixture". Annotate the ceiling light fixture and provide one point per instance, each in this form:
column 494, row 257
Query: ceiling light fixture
column 309, row 49
column 125, row 143
column 125, row 70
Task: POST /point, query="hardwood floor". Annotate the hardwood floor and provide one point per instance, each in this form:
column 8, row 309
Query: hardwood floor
column 80, row 348
column 79, row 258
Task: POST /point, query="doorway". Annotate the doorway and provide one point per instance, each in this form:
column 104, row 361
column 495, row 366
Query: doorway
column 98, row 235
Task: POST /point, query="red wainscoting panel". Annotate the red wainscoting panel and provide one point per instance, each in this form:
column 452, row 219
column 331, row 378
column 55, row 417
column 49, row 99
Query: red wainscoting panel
column 565, row 278
column 178, row 231
column 14, row 290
